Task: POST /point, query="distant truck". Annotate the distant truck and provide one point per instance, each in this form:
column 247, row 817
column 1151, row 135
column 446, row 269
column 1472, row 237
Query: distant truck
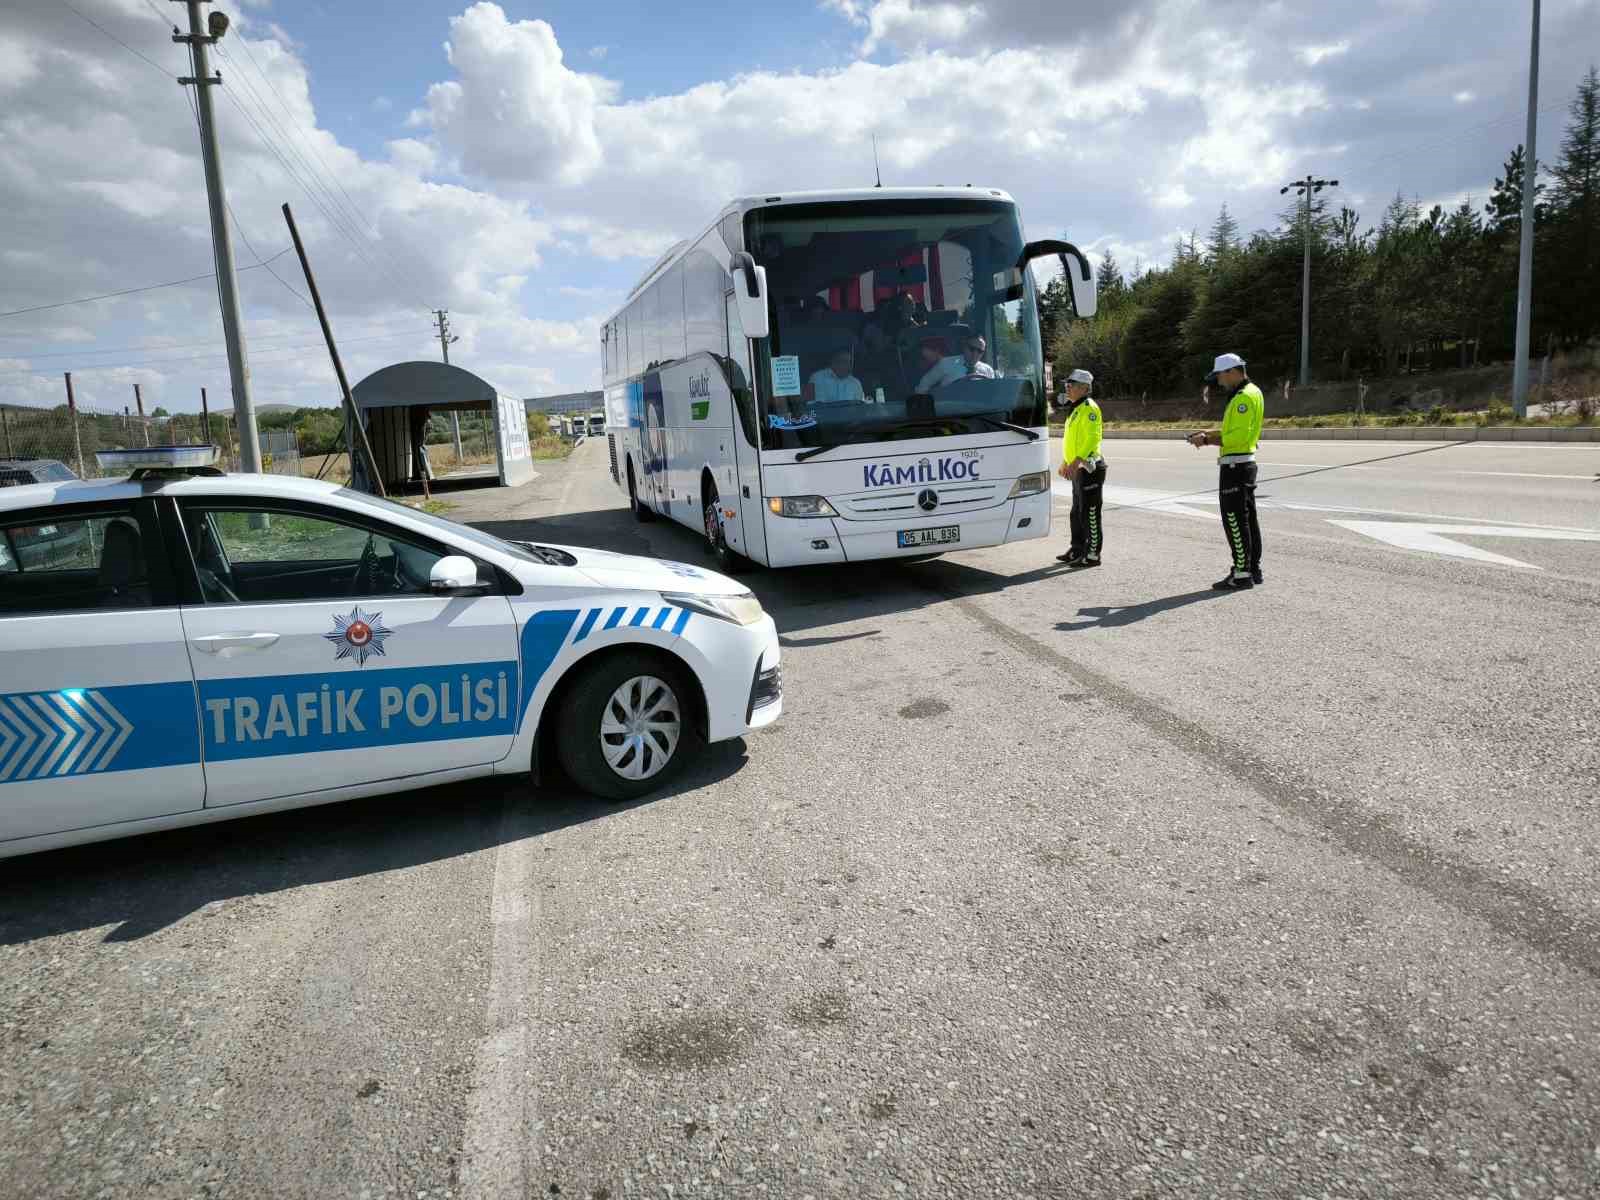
column 597, row 423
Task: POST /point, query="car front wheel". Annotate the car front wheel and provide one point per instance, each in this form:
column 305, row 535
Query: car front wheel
column 627, row 727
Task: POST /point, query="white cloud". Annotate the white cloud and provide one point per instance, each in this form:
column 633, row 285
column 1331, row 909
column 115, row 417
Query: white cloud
column 599, row 51
column 1170, row 195
column 535, row 122
column 1464, row 97
column 1312, row 55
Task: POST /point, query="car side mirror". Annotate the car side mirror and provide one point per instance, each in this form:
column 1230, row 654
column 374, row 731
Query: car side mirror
column 453, row 573
column 750, row 294
column 1074, row 266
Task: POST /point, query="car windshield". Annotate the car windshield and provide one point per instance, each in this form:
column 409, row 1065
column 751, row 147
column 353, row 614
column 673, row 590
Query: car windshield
column 453, row 528
column 895, row 319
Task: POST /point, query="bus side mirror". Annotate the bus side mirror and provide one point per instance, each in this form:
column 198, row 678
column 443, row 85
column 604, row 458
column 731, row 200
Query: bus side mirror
column 1074, row 266
column 750, row 294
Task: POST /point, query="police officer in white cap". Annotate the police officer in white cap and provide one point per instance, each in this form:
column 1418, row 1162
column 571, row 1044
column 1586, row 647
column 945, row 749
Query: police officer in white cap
column 1082, row 464
column 1243, row 409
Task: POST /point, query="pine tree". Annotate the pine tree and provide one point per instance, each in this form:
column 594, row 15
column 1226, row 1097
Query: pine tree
column 1224, row 239
column 1575, row 214
column 1504, row 209
column 1108, row 279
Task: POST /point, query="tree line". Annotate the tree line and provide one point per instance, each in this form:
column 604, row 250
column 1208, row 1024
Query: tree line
column 1431, row 288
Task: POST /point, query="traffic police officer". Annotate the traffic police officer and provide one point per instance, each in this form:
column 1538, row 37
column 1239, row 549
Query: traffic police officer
column 1243, row 409
column 1081, row 463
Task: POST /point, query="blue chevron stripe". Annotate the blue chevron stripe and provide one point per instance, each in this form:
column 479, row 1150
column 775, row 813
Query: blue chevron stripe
column 84, row 731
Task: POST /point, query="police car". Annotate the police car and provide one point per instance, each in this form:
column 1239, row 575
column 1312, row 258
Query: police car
column 223, row 645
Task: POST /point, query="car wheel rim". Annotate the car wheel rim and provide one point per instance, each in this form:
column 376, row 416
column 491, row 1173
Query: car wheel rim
column 641, row 727
column 713, row 526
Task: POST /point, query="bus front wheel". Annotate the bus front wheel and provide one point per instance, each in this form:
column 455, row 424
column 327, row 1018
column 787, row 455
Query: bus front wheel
column 638, row 507
column 728, row 560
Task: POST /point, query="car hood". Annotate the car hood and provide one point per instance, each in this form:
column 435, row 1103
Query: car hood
column 631, row 572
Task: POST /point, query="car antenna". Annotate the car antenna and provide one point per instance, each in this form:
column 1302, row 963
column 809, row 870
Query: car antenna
column 875, row 169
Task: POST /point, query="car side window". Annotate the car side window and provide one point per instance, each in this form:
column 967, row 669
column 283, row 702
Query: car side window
column 256, row 555
column 65, row 563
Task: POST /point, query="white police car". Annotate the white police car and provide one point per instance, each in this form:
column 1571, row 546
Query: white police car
column 220, row 645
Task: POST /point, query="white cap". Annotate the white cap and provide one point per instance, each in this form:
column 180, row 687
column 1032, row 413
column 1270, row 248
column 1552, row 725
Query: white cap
column 1225, row 362
column 1080, row 376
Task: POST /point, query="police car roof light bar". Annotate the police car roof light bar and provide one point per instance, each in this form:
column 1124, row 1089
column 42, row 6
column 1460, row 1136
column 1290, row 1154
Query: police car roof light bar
column 146, row 461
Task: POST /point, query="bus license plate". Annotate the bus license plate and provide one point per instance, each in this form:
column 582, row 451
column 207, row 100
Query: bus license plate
column 942, row 536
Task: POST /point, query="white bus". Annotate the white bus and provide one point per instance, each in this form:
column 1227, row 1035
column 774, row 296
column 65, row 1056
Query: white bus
column 839, row 376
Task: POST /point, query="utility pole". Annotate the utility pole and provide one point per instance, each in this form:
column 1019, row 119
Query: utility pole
column 205, row 417
column 197, row 39
column 1306, row 187
column 1530, row 189
column 138, row 401
column 442, row 320
column 72, row 415
column 361, row 457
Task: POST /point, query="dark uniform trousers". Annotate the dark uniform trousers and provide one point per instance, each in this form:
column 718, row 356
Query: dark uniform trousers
column 1088, row 488
column 1237, row 491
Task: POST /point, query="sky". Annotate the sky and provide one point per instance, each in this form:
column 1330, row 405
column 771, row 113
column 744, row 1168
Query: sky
column 522, row 164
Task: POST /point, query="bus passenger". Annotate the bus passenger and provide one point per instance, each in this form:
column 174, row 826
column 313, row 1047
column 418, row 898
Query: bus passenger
column 835, row 383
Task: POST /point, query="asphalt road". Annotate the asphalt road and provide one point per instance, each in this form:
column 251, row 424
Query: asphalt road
column 1047, row 884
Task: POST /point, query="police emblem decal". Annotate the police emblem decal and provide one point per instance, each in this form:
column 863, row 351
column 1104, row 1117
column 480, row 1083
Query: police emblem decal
column 358, row 636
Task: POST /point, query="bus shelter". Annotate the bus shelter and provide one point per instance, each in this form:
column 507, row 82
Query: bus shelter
column 395, row 402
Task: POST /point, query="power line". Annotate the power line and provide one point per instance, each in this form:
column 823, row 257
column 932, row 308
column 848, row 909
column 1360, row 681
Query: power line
column 351, row 208
column 16, row 312
column 306, row 175
column 67, row 5
column 269, row 337
column 272, row 145
column 238, row 226
column 151, row 362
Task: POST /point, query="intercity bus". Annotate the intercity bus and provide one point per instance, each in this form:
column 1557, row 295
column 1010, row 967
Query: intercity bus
column 826, row 377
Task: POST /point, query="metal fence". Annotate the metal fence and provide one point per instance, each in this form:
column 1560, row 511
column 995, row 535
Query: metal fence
column 280, row 452
column 72, row 437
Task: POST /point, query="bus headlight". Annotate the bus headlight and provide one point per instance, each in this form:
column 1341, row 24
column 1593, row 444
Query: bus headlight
column 742, row 609
column 800, row 506
column 1030, row 485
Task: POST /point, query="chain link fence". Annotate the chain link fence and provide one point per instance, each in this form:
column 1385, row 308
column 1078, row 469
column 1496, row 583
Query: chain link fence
column 72, row 438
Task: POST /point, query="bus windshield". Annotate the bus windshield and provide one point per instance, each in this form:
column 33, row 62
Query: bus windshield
column 895, row 319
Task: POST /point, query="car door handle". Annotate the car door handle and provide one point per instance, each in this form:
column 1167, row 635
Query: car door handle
column 221, row 643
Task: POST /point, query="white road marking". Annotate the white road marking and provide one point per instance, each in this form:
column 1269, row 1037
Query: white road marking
column 1430, row 540
column 1530, row 475
column 1149, row 499
column 500, row 1111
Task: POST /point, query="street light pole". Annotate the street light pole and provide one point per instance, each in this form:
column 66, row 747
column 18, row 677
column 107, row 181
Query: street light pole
column 198, row 39
column 1307, row 187
column 1530, row 188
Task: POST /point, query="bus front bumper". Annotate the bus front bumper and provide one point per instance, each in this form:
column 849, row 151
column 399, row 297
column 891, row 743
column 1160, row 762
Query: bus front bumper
column 793, row 542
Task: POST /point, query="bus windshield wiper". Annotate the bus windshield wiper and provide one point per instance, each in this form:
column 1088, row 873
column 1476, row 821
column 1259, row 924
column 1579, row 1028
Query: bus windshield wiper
column 814, row 451
column 996, row 423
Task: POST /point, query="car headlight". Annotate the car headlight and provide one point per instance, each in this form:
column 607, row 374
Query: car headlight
column 1030, row 485
column 741, row 609
column 800, row 506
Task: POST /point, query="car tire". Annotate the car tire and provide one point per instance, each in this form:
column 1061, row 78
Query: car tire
column 627, row 726
column 641, row 512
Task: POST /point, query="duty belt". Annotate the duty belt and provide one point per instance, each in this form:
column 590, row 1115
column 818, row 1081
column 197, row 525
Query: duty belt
column 1233, row 460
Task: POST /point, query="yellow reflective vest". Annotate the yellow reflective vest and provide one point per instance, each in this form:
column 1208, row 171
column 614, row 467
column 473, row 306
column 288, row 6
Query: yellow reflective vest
column 1241, row 422
column 1082, row 437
